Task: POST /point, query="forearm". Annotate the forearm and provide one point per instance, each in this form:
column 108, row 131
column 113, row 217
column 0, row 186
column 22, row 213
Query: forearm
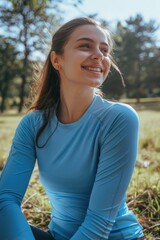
column 13, row 224
column 94, row 227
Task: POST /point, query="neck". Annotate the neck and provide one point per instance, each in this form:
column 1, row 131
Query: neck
column 73, row 104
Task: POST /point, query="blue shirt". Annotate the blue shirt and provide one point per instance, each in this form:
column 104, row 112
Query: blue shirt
column 85, row 168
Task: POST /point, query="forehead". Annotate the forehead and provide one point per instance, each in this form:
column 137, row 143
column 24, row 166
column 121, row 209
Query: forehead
column 93, row 32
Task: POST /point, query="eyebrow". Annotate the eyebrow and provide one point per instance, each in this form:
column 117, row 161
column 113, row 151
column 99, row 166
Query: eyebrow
column 91, row 40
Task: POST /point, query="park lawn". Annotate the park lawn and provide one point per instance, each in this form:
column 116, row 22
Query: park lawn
column 8, row 123
column 144, row 189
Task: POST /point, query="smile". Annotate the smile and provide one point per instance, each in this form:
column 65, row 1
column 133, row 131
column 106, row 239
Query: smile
column 93, row 69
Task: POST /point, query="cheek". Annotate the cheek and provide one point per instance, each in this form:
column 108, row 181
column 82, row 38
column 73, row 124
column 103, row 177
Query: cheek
column 108, row 62
column 107, row 65
column 74, row 61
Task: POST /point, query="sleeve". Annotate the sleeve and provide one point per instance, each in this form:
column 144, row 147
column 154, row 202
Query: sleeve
column 14, row 181
column 115, row 168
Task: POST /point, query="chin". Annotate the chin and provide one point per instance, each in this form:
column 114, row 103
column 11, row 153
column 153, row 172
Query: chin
column 95, row 83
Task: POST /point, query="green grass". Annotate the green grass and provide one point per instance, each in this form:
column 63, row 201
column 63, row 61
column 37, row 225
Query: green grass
column 8, row 123
column 144, row 189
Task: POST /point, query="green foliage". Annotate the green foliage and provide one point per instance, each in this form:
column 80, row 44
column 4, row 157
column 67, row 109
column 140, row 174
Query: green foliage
column 26, row 23
column 137, row 47
column 113, row 86
column 27, row 26
column 8, row 69
column 137, row 55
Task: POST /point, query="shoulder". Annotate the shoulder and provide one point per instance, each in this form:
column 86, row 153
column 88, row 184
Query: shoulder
column 123, row 110
column 115, row 114
column 106, row 109
column 31, row 121
column 33, row 117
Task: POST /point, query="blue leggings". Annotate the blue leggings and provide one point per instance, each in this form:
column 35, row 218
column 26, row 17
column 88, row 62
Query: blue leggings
column 46, row 235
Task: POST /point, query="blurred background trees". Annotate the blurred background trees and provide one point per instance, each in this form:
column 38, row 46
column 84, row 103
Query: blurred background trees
column 26, row 29
column 137, row 55
column 8, row 68
column 25, row 23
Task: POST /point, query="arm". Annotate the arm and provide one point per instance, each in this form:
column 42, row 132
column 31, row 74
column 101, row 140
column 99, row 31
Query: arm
column 14, row 181
column 115, row 168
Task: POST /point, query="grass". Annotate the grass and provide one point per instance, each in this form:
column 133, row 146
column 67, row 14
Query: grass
column 8, row 123
column 144, row 190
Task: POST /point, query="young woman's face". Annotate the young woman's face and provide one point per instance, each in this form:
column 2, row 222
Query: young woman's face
column 85, row 59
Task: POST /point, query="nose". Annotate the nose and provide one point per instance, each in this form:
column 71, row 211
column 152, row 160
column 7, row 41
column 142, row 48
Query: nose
column 97, row 54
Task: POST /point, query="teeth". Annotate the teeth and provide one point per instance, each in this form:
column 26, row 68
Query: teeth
column 93, row 69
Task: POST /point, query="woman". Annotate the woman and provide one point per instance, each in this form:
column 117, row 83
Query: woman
column 85, row 146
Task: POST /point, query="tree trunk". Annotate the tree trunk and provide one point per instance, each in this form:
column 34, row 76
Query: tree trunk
column 138, row 83
column 22, row 93
column 3, row 103
column 4, row 92
column 25, row 65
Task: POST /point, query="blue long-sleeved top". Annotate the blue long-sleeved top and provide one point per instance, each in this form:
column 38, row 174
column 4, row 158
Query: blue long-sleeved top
column 85, row 168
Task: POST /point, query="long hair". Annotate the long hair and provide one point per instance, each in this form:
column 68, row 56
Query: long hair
column 47, row 88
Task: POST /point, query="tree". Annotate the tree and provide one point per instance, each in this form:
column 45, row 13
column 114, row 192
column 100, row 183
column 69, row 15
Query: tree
column 26, row 23
column 29, row 23
column 113, row 86
column 8, row 68
column 152, row 83
column 136, row 43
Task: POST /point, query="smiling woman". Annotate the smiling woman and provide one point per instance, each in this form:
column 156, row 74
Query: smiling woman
column 85, row 146
column 85, row 61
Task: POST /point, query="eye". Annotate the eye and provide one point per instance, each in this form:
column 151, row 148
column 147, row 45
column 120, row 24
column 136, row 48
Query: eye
column 84, row 45
column 105, row 51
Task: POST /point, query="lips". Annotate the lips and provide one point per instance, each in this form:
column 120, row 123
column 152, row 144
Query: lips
column 93, row 69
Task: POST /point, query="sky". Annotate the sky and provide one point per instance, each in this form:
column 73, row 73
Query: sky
column 115, row 10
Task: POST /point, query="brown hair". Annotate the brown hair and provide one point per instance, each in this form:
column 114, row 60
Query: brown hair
column 47, row 89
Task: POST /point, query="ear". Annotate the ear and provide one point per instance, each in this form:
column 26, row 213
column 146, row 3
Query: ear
column 55, row 60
